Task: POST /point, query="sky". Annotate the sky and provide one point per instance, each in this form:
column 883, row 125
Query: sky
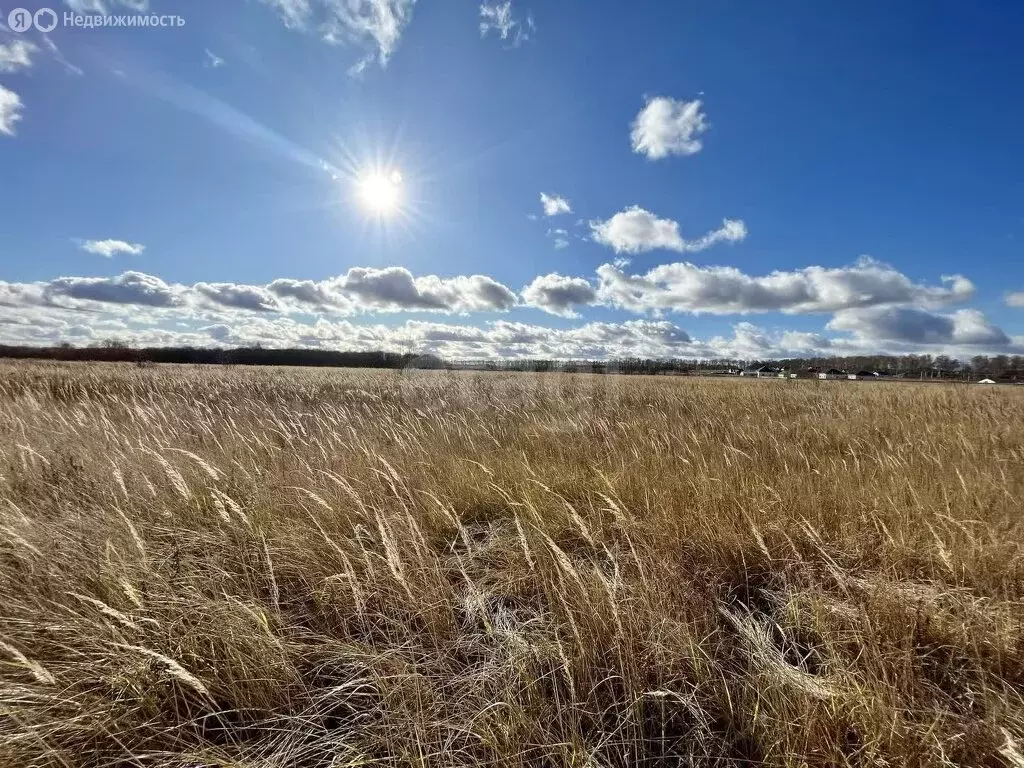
column 517, row 178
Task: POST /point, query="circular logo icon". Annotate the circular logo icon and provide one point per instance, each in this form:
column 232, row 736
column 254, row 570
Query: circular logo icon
column 20, row 20
column 45, row 20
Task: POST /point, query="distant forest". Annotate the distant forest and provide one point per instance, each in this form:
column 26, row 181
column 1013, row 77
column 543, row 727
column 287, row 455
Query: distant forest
column 1000, row 367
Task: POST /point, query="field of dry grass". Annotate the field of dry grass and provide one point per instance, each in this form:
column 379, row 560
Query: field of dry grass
column 291, row 567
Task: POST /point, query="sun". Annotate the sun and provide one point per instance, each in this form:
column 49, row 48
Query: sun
column 381, row 193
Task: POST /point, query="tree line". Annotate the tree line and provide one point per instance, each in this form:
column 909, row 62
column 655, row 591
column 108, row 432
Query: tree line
column 998, row 367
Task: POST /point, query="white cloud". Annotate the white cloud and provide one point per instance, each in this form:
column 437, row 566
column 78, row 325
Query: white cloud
column 16, row 55
column 395, row 289
column 559, row 294
column 56, row 53
column 964, row 328
column 10, row 111
column 635, row 230
column 500, row 18
column 110, row 248
column 105, row 6
column 213, row 61
column 176, row 322
column 1015, row 299
column 253, row 298
column 686, row 287
column 561, row 238
column 135, row 288
column 375, row 25
column 875, row 309
column 294, row 13
column 312, row 295
column 668, row 126
column 360, row 290
column 554, row 204
column 676, row 287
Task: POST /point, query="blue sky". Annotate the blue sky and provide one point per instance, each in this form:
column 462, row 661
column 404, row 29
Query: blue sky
column 725, row 179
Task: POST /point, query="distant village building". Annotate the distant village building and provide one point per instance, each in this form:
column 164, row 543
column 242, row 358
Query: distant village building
column 832, row 373
column 986, row 381
column 761, row 372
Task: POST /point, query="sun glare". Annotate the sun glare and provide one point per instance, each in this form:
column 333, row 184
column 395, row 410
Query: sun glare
column 381, row 193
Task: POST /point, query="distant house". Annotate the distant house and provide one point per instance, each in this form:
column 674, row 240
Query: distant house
column 761, row 372
column 863, row 375
column 986, row 381
column 832, row 373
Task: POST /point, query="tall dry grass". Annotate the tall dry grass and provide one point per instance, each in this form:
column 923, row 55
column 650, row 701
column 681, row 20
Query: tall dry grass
column 239, row 567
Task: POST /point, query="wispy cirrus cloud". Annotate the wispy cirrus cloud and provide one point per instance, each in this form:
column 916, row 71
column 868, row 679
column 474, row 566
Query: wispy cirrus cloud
column 374, row 25
column 213, row 61
column 500, row 18
column 16, row 54
column 106, row 6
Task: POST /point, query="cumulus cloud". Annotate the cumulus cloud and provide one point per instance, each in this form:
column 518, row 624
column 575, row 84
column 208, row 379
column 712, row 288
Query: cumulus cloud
column 17, row 54
column 874, row 309
column 554, row 204
column 805, row 342
column 22, row 294
column 375, row 25
column 10, row 111
column 668, row 126
column 127, row 288
column 966, row 327
column 253, row 298
column 1015, row 299
column 395, row 289
column 635, row 230
column 686, row 287
column 181, row 325
column 361, row 289
column 500, row 18
column 110, row 248
column 311, row 294
column 558, row 294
